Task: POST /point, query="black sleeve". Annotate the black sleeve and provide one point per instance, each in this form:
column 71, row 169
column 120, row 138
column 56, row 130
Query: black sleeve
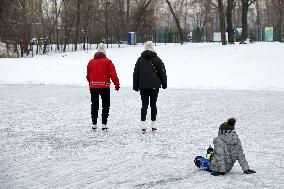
column 162, row 73
column 136, row 76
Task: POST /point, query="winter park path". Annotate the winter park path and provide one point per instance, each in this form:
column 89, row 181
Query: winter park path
column 47, row 142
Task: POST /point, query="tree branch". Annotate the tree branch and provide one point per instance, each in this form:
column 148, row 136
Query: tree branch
column 213, row 4
column 251, row 2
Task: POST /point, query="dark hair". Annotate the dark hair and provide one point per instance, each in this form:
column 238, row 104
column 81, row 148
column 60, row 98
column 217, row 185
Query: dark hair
column 231, row 121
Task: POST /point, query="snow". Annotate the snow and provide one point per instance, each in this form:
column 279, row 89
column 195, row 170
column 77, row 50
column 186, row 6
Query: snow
column 47, row 142
column 257, row 66
column 46, row 139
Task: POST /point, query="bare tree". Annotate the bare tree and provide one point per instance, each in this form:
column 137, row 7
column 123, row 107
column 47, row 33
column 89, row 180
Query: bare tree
column 56, row 12
column 86, row 8
column 8, row 26
column 93, row 21
column 143, row 18
column 43, row 25
column 22, row 21
column 107, row 4
column 279, row 11
column 220, row 7
column 245, row 5
column 117, row 19
column 201, row 14
column 68, row 21
column 78, row 10
column 258, row 21
column 127, row 13
column 230, row 7
column 180, row 31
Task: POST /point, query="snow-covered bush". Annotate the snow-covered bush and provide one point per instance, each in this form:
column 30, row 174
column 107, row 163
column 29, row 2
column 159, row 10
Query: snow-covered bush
column 6, row 54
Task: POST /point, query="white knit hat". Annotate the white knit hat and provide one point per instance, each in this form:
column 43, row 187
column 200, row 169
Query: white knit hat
column 101, row 48
column 149, row 45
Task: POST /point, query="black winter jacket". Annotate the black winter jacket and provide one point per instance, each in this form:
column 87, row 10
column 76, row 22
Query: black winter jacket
column 149, row 72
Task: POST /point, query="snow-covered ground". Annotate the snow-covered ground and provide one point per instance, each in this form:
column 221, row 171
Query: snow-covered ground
column 257, row 66
column 46, row 140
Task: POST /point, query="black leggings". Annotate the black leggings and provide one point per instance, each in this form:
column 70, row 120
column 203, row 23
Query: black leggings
column 105, row 96
column 145, row 95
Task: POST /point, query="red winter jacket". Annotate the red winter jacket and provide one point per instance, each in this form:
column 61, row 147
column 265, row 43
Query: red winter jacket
column 99, row 72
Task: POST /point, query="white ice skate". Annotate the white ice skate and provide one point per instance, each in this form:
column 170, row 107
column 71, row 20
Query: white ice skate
column 104, row 127
column 153, row 126
column 94, row 127
column 143, row 126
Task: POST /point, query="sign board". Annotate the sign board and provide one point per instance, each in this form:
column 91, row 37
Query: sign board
column 268, row 32
column 217, row 36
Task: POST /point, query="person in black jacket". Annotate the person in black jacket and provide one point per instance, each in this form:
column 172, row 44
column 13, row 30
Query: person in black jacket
column 149, row 75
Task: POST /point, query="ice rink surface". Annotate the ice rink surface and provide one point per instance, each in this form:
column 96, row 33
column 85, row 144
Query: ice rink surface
column 47, row 141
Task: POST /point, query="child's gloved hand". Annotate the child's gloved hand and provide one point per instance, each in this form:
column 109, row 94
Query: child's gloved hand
column 210, row 153
column 249, row 171
column 117, row 87
column 210, row 150
column 216, row 173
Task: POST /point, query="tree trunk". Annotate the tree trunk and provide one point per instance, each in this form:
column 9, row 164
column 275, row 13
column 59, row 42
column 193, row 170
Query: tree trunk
column 127, row 14
column 117, row 31
column 258, row 22
column 86, row 22
column 43, row 27
column 280, row 19
column 106, row 14
column 141, row 18
column 244, row 20
column 245, row 6
column 180, row 32
column 65, row 35
column 230, row 7
column 65, row 43
column 7, row 47
column 77, row 24
column 56, row 24
column 185, row 19
column 222, row 22
column 25, row 31
column 68, row 26
column 280, row 27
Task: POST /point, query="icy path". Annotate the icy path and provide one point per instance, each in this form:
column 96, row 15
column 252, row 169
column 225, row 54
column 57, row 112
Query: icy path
column 46, row 140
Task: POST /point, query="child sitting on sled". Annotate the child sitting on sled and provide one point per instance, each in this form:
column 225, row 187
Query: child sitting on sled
column 227, row 150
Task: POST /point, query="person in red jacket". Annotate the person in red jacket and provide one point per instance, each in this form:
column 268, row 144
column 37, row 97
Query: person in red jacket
column 99, row 72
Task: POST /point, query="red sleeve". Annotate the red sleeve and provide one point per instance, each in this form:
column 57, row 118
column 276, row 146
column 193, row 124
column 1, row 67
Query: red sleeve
column 87, row 76
column 113, row 74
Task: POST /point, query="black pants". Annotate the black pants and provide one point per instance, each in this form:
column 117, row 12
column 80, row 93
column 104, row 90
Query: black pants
column 145, row 95
column 105, row 96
